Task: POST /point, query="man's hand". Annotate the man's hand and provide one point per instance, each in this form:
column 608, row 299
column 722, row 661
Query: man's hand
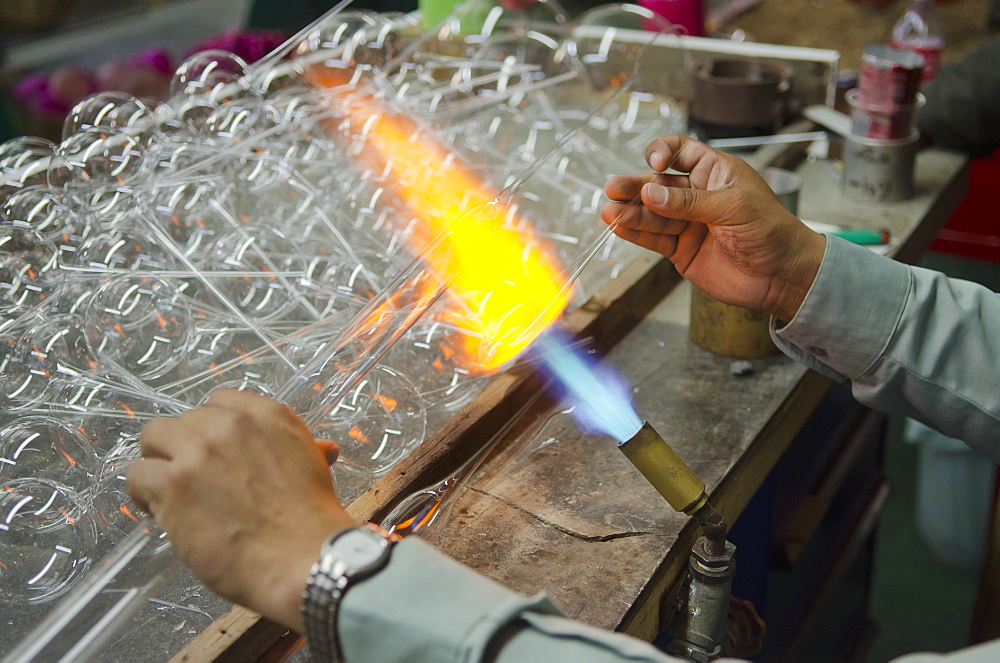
column 244, row 493
column 719, row 224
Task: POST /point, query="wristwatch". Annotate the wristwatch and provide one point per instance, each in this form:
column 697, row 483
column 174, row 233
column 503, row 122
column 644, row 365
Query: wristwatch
column 346, row 557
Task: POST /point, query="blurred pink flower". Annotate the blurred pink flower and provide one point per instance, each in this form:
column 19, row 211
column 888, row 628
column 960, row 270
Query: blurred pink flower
column 145, row 74
column 249, row 45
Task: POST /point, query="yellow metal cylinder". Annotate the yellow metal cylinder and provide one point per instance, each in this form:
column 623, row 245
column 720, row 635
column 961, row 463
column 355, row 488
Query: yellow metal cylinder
column 663, row 468
column 729, row 330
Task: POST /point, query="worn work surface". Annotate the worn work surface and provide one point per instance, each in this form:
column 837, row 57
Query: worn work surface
column 940, row 182
column 572, row 516
column 566, row 513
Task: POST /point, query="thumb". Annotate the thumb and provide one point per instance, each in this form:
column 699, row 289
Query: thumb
column 688, row 203
column 329, row 449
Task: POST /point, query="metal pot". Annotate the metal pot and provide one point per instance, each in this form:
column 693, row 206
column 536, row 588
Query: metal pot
column 741, row 93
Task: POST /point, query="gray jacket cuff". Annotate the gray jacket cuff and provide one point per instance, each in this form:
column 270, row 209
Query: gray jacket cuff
column 849, row 315
column 425, row 606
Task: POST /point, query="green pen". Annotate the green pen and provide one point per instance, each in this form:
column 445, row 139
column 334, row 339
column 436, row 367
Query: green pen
column 862, row 236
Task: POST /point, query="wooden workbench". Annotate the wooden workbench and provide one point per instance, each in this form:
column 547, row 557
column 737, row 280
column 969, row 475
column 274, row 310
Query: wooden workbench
column 572, row 517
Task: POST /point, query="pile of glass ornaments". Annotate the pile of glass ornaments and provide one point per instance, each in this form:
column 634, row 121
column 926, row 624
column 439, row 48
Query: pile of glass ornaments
column 222, row 237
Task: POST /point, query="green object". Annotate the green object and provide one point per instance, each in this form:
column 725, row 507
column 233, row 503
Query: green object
column 435, row 11
column 470, row 13
column 863, row 237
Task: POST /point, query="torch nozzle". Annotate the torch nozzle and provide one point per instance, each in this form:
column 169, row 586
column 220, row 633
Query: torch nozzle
column 663, row 468
column 674, row 480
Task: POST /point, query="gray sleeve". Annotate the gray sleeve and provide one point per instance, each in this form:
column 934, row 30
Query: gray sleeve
column 963, row 103
column 909, row 340
column 425, row 608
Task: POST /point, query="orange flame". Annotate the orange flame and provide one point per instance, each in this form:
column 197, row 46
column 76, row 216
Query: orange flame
column 507, row 286
column 388, row 403
column 128, row 512
column 69, row 518
column 69, row 459
column 356, row 434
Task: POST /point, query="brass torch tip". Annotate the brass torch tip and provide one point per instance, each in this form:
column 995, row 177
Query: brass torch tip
column 663, row 468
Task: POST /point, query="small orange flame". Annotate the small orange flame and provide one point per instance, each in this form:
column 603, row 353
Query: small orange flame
column 356, row 434
column 69, row 459
column 447, row 352
column 128, row 512
column 69, row 518
column 412, row 524
column 387, row 402
column 507, row 285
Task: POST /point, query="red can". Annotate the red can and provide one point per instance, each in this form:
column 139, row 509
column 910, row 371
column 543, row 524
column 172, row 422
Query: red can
column 889, row 77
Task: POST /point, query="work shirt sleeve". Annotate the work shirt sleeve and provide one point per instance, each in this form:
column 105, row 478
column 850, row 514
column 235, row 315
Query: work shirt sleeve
column 426, row 608
column 909, row 340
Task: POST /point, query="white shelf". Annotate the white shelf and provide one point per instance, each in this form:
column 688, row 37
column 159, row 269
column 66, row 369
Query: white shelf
column 177, row 25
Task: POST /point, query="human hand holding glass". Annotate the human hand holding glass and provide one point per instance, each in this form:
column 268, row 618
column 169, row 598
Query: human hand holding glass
column 244, row 493
column 720, row 224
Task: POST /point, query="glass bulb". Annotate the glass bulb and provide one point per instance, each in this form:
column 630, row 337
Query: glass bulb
column 47, row 540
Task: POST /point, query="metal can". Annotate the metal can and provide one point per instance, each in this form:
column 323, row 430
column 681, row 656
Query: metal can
column 879, row 170
column 889, row 76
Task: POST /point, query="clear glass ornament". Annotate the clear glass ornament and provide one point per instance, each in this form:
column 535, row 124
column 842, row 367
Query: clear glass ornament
column 377, row 423
column 112, row 110
column 47, row 541
column 37, row 447
column 141, row 323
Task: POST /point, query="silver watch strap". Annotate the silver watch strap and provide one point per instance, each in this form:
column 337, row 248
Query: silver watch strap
column 328, row 581
column 320, row 604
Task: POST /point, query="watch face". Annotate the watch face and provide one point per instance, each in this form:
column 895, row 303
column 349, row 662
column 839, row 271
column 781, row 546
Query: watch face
column 359, row 549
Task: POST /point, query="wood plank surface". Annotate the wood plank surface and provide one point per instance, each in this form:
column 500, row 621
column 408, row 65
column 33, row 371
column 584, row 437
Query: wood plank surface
column 239, row 635
column 611, row 545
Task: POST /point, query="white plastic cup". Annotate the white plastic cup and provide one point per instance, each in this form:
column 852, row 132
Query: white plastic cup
column 883, row 121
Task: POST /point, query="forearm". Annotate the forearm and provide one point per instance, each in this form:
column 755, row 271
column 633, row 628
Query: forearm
column 425, row 607
column 909, row 340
